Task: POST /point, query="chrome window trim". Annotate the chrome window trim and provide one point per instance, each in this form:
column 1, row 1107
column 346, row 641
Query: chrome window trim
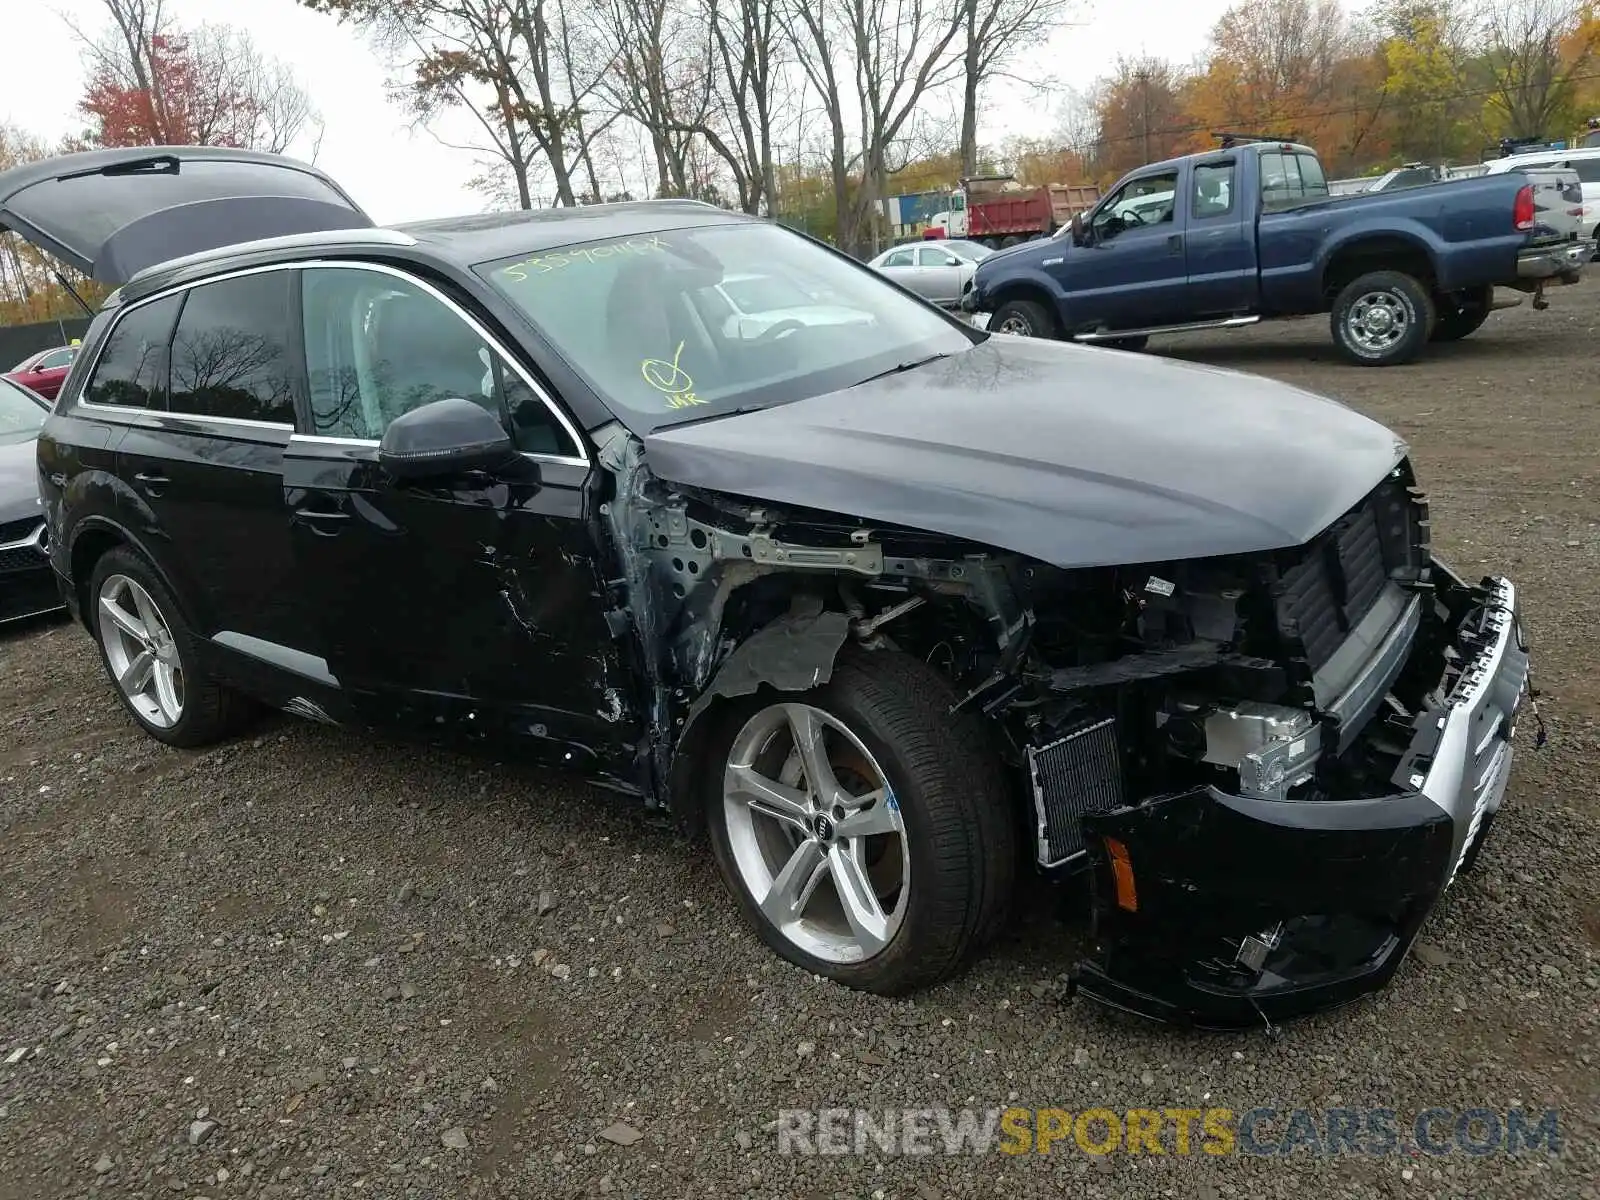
column 582, row 459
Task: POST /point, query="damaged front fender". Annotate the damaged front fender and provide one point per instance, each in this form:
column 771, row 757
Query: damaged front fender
column 794, row 653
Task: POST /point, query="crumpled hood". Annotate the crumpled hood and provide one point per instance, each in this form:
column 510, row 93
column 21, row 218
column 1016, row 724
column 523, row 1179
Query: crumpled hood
column 1072, row 455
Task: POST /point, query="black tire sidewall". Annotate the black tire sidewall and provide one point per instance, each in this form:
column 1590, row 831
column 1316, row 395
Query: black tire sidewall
column 1420, row 308
column 1037, row 317
column 125, row 561
column 906, row 963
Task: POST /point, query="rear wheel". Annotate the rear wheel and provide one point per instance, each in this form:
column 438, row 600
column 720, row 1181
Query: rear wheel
column 1382, row 319
column 1025, row 318
column 1460, row 318
column 150, row 655
column 864, row 830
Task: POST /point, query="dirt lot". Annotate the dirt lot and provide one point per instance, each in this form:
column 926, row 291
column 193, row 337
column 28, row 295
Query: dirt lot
column 331, row 962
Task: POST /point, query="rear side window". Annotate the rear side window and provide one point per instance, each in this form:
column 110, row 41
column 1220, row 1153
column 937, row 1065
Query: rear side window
column 1213, row 190
column 231, row 354
column 1289, row 178
column 1588, row 169
column 132, row 369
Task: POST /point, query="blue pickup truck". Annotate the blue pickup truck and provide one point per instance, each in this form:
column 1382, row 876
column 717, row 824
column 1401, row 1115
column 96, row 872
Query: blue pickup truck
column 1250, row 232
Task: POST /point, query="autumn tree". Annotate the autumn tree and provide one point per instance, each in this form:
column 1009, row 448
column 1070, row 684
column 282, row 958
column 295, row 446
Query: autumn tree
column 992, row 32
column 1536, row 54
column 1142, row 115
column 528, row 72
column 153, row 83
column 33, row 287
column 1293, row 68
column 1426, row 47
column 875, row 61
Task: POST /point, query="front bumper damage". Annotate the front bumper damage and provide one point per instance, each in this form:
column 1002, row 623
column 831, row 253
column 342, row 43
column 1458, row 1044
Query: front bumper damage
column 1225, row 911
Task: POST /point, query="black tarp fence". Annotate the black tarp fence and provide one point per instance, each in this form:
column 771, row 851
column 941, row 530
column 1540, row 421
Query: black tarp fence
column 17, row 342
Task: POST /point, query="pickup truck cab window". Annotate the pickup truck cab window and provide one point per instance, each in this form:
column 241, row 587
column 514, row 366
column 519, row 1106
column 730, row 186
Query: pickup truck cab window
column 1289, row 178
column 132, row 369
column 231, row 355
column 1213, row 190
column 1139, row 203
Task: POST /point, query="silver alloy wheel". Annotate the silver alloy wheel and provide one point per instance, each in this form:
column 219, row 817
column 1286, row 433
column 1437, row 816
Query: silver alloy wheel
column 1377, row 321
column 140, row 650
column 794, row 824
column 1016, row 323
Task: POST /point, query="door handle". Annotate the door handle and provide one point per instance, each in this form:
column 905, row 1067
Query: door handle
column 1175, row 242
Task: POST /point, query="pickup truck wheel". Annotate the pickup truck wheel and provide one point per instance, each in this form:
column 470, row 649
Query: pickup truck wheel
column 1026, row 318
column 1459, row 320
column 863, row 829
column 1382, row 319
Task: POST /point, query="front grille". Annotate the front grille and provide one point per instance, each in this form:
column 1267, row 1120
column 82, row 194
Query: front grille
column 1078, row 773
column 24, row 559
column 15, row 531
column 1339, row 576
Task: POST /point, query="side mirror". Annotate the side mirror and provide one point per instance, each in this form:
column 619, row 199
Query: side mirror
column 1077, row 229
column 446, row 437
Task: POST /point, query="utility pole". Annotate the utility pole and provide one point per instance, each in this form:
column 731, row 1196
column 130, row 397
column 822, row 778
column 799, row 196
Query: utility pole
column 1144, row 107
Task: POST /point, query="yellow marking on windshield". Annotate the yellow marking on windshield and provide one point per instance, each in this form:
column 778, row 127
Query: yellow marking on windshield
column 671, row 379
column 544, row 264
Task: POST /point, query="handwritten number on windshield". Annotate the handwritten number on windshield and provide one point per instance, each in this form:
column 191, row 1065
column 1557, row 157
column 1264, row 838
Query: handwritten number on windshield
column 671, row 380
column 544, row 264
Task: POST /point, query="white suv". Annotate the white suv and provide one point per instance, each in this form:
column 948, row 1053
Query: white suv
column 1585, row 161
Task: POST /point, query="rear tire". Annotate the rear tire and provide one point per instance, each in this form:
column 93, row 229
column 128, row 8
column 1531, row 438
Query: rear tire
column 1458, row 320
column 151, row 655
column 940, row 862
column 1024, row 318
column 1382, row 319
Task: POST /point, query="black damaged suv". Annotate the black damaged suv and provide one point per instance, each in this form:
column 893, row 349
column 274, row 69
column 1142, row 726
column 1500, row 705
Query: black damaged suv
column 890, row 607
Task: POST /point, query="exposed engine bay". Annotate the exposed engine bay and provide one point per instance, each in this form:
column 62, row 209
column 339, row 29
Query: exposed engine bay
column 1271, row 764
column 1255, row 674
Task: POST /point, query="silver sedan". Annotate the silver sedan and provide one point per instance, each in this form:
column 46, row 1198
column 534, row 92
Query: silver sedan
column 936, row 271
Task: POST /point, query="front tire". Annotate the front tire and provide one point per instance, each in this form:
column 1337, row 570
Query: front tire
column 151, row 656
column 864, row 830
column 1382, row 319
column 1023, row 318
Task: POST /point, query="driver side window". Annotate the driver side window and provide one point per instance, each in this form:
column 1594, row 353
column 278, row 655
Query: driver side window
column 1138, row 204
column 378, row 345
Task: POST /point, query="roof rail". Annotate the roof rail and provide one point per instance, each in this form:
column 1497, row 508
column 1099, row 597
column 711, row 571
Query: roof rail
column 1230, row 140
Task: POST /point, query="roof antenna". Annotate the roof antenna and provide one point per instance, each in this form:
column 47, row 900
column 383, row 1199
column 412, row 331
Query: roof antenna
column 72, row 291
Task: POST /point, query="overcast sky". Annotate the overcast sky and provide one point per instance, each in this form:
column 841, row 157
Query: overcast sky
column 398, row 175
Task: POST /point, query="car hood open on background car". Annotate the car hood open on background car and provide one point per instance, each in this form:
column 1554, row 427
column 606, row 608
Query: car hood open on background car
column 1073, row 456
column 112, row 213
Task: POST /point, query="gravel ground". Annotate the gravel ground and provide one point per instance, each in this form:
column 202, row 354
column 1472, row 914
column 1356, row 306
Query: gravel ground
column 305, row 964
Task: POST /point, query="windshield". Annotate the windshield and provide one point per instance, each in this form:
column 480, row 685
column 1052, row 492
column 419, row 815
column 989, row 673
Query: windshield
column 971, row 251
column 20, row 414
column 651, row 322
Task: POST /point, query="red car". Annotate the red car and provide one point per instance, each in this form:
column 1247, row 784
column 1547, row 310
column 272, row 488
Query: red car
column 44, row 371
